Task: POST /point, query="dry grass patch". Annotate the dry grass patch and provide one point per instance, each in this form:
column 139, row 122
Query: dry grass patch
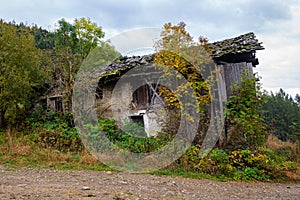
column 274, row 143
column 87, row 158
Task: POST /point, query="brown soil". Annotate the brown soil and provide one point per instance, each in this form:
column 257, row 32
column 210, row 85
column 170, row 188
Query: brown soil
column 51, row 184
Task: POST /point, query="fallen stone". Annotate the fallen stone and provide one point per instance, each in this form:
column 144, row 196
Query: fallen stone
column 85, row 188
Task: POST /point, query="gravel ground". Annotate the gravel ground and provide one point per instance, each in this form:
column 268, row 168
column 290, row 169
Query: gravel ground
column 51, row 184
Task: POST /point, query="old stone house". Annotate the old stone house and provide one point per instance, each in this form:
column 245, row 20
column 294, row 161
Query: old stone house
column 138, row 101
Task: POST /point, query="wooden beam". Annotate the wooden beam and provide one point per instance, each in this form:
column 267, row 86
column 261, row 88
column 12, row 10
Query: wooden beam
column 155, row 93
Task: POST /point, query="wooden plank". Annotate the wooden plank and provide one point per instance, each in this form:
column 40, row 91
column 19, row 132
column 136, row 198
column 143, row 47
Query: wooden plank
column 154, row 91
column 233, row 73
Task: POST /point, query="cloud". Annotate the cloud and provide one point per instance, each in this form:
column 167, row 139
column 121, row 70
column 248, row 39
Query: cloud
column 213, row 18
column 136, row 41
column 280, row 66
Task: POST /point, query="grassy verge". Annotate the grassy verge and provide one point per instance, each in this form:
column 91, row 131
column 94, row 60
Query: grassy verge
column 53, row 144
column 24, row 153
column 244, row 165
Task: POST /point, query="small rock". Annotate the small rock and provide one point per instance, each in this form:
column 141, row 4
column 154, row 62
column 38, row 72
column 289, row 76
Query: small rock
column 109, row 172
column 91, row 195
column 85, row 188
column 21, row 185
column 173, row 183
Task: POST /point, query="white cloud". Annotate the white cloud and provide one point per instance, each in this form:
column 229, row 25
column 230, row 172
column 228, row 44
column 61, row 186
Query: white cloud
column 135, row 41
column 280, row 66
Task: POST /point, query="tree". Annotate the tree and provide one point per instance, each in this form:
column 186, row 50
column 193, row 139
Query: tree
column 89, row 35
column 282, row 114
column 297, row 99
column 65, row 37
column 72, row 44
column 183, row 60
column 43, row 39
column 178, row 52
column 20, row 73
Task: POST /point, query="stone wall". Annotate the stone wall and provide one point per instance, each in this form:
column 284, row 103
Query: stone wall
column 116, row 104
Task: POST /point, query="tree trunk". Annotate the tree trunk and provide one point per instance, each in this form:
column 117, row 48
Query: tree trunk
column 2, row 122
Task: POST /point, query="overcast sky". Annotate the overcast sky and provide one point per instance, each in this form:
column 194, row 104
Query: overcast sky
column 275, row 22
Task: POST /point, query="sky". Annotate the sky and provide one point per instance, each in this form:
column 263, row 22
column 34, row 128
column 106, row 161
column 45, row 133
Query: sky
column 274, row 22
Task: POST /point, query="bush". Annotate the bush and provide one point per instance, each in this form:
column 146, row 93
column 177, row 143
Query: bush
column 132, row 139
column 262, row 165
column 244, row 117
column 285, row 152
column 52, row 131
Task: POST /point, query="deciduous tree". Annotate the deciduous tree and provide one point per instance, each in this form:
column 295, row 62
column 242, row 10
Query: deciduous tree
column 72, row 44
column 183, row 60
column 20, row 73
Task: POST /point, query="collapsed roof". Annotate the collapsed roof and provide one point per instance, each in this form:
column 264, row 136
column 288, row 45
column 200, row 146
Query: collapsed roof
column 246, row 43
column 237, row 49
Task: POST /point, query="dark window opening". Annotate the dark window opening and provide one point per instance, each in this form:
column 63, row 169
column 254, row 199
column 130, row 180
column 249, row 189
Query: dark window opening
column 144, row 96
column 59, row 105
column 137, row 126
column 139, row 119
column 56, row 104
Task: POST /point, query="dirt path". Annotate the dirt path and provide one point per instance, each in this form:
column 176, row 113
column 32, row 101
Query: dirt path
column 51, row 184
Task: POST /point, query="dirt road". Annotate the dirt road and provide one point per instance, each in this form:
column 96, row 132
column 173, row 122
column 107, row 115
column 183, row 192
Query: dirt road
column 51, row 184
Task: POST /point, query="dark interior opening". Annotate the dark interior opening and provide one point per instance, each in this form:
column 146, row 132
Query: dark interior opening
column 144, row 96
column 138, row 119
column 59, row 105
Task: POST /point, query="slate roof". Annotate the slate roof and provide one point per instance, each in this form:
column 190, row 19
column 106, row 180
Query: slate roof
column 242, row 44
column 115, row 68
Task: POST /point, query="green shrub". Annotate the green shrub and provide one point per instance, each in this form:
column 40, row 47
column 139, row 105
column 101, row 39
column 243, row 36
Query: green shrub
column 244, row 117
column 219, row 156
column 262, row 165
column 133, row 139
column 286, row 152
column 52, row 131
